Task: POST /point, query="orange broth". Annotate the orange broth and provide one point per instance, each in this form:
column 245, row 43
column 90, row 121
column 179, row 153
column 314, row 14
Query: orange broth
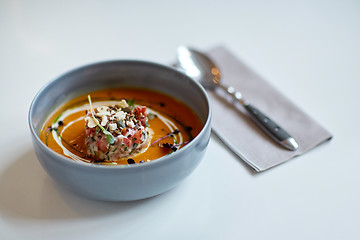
column 73, row 136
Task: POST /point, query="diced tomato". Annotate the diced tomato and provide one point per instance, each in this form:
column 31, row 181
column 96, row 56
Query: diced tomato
column 102, row 145
column 126, row 141
column 141, row 114
column 137, row 137
column 90, row 131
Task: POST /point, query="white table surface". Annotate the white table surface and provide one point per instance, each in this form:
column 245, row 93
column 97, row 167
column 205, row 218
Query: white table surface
column 309, row 50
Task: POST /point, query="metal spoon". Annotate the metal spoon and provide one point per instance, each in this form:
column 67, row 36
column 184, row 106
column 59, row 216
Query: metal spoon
column 201, row 68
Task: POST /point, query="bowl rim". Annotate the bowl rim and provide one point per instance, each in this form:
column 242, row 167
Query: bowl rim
column 128, row 167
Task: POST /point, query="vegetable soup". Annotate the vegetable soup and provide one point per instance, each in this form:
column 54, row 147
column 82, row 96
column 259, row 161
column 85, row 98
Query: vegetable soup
column 120, row 126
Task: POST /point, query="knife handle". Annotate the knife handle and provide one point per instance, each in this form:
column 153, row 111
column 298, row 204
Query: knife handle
column 271, row 128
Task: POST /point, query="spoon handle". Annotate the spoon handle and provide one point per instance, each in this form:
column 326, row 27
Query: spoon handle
column 264, row 122
column 271, row 128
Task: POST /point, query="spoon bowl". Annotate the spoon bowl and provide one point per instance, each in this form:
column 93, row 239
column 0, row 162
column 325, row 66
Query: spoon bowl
column 198, row 66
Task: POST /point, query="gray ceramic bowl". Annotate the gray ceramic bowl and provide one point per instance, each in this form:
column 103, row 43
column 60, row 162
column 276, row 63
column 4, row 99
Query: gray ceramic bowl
column 123, row 182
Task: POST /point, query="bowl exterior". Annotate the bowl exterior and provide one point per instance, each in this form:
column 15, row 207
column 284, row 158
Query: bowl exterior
column 123, row 184
column 127, row 182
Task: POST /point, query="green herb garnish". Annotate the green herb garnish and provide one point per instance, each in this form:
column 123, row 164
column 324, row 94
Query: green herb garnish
column 131, row 102
column 57, row 118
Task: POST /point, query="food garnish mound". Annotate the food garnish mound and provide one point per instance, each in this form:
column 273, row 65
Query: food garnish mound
column 117, row 131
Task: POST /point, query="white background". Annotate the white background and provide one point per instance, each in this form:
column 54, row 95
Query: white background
column 309, row 50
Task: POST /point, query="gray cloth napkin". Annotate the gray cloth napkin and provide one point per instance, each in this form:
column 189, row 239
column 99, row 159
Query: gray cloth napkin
column 233, row 126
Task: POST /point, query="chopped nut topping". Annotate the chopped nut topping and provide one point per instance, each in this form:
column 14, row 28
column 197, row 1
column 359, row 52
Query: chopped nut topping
column 130, row 124
column 120, row 115
column 102, row 111
column 123, row 104
column 112, row 126
column 104, row 120
column 90, row 122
